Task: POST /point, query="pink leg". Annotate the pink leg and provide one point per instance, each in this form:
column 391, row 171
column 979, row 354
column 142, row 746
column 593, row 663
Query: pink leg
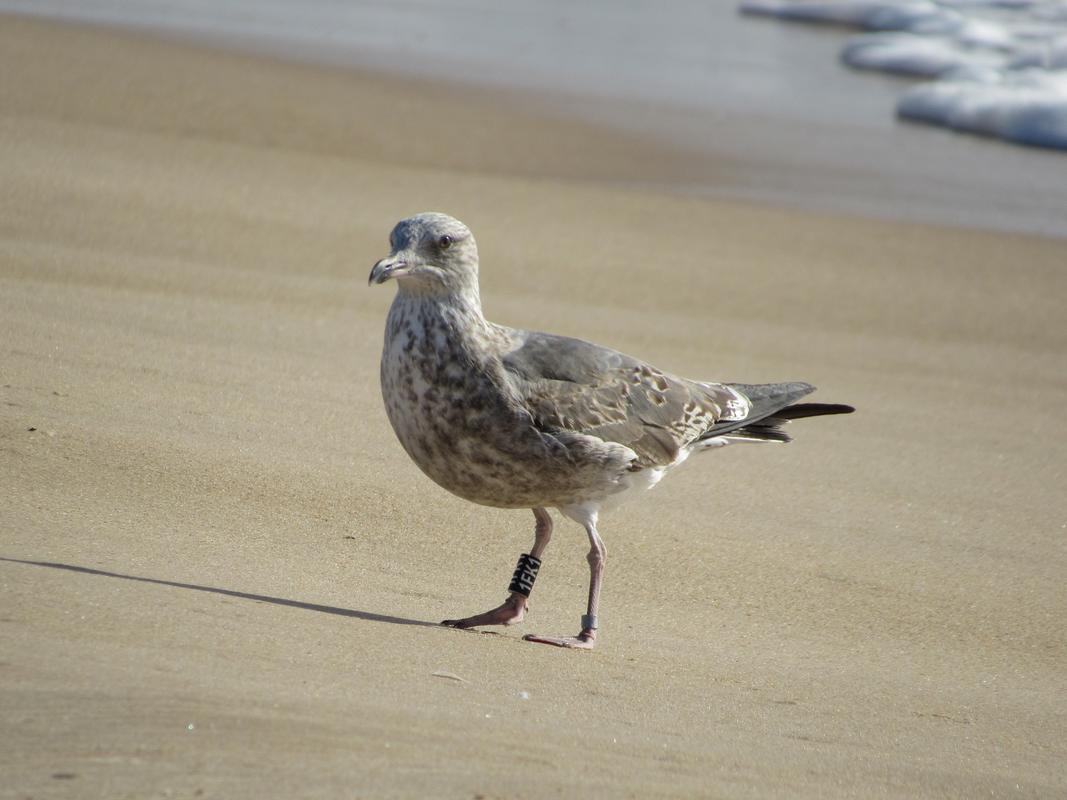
column 512, row 610
column 585, row 640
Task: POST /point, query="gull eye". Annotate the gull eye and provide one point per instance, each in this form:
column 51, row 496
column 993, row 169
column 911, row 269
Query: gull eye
column 444, row 242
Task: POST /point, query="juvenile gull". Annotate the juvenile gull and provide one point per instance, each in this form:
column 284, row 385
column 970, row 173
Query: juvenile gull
column 520, row 419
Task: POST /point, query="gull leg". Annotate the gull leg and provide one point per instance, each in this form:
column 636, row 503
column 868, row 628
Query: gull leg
column 585, row 640
column 512, row 610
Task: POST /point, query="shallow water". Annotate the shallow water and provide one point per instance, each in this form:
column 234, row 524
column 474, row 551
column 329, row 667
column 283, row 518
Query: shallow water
column 997, row 67
column 790, row 126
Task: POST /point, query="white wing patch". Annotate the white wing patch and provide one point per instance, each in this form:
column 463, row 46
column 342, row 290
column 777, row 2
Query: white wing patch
column 737, row 407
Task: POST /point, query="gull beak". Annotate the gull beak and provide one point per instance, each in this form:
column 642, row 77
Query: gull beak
column 389, row 267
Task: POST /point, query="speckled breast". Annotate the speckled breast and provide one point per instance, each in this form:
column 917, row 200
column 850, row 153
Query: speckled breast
column 448, row 403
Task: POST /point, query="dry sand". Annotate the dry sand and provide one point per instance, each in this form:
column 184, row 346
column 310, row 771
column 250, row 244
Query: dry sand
column 220, row 571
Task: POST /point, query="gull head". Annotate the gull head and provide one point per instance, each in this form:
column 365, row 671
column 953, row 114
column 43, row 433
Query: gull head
column 429, row 252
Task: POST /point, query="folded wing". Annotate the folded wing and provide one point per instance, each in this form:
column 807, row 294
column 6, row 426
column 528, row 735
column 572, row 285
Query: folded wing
column 574, row 385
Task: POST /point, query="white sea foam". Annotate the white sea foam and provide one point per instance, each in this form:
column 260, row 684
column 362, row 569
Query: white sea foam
column 997, row 67
column 1025, row 106
column 911, row 54
column 875, row 15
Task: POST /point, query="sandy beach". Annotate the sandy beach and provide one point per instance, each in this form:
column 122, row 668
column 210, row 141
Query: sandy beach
column 221, row 576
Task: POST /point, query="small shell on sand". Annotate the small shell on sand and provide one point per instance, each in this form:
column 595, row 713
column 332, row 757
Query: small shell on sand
column 450, row 675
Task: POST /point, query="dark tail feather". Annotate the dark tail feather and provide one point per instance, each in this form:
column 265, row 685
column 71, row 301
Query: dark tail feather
column 773, row 405
column 801, row 410
column 760, row 432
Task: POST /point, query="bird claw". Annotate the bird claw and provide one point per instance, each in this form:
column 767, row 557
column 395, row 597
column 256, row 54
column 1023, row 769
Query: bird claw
column 586, row 640
column 509, row 612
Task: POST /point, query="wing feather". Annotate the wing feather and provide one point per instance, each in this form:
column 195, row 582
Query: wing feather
column 578, row 386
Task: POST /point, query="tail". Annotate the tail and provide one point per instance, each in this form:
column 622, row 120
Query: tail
column 771, row 406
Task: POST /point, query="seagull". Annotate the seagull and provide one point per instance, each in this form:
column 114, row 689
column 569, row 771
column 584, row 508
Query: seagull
column 512, row 418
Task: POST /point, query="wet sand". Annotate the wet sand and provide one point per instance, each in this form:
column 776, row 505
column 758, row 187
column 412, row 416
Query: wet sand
column 220, row 572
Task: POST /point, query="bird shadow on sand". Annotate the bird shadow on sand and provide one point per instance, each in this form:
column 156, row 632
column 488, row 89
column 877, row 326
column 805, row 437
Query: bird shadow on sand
column 369, row 616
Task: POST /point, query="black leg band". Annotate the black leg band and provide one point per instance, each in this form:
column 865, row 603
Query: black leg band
column 525, row 574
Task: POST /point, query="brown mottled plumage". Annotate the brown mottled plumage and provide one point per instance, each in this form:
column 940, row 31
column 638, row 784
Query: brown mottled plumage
column 520, row 419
